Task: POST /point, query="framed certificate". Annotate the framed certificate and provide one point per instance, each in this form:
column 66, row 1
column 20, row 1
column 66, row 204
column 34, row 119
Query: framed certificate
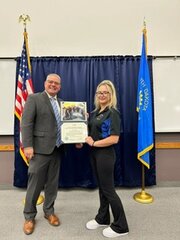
column 74, row 122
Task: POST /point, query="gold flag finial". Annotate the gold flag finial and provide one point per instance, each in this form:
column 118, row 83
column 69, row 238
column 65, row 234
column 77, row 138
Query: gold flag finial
column 144, row 25
column 145, row 33
column 144, row 22
column 24, row 18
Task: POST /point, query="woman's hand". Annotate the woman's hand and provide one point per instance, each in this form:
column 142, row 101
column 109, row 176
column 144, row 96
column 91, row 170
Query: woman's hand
column 89, row 141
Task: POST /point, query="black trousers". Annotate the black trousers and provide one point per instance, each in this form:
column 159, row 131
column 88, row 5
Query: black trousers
column 103, row 160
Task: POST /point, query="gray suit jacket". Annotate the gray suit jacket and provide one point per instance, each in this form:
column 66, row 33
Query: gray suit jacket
column 38, row 126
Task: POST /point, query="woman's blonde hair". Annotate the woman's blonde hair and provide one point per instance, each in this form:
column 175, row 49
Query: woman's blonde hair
column 112, row 93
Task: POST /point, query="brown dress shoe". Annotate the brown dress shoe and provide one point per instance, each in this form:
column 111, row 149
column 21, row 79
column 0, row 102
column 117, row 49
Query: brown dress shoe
column 52, row 219
column 28, row 227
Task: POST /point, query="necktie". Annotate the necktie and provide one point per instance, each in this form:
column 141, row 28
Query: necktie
column 58, row 120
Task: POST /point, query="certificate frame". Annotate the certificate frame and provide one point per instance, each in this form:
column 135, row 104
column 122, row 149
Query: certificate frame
column 73, row 121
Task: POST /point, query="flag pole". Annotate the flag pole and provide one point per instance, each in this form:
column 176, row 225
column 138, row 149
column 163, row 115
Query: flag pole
column 24, row 18
column 143, row 197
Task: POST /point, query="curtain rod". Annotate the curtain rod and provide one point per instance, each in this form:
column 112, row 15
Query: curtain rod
column 154, row 57
column 174, row 57
column 8, row 58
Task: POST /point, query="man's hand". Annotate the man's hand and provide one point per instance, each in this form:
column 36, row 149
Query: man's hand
column 79, row 145
column 29, row 153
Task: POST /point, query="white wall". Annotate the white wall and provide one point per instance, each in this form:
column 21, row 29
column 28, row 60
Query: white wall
column 166, row 79
column 7, row 96
column 90, row 27
column 94, row 27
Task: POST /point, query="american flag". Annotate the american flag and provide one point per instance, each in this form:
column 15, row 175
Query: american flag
column 24, row 87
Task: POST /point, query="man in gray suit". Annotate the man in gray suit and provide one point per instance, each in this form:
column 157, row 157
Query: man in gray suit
column 40, row 129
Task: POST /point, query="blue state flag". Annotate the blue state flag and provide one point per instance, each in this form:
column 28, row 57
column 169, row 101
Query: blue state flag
column 144, row 109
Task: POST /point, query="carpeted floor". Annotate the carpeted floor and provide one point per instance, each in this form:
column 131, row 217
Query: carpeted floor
column 159, row 220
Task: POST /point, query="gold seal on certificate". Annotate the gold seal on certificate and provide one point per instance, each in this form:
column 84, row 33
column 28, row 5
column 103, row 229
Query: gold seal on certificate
column 74, row 122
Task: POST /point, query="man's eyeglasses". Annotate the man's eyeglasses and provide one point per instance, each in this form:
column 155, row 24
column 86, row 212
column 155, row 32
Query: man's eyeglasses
column 105, row 93
column 53, row 82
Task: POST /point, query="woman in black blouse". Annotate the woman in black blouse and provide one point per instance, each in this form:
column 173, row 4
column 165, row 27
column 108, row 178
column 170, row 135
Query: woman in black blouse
column 104, row 132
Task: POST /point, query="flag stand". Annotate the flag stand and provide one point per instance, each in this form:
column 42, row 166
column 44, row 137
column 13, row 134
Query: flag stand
column 39, row 201
column 143, row 197
column 24, row 18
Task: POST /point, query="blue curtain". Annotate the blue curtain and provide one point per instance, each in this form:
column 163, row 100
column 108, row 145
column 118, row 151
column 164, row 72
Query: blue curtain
column 80, row 76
